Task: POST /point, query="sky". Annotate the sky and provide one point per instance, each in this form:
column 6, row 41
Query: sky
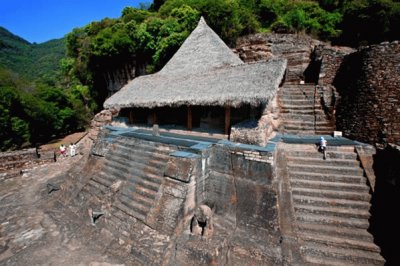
column 42, row 20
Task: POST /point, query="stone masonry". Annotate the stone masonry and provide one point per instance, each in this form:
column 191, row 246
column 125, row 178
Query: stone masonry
column 369, row 84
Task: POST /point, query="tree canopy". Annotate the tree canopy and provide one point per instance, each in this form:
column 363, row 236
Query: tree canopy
column 51, row 89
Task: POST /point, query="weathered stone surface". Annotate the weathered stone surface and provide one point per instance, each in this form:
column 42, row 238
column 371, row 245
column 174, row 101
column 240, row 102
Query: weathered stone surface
column 182, row 168
column 365, row 155
column 101, row 119
column 326, row 61
column 369, row 86
column 296, row 48
column 15, row 163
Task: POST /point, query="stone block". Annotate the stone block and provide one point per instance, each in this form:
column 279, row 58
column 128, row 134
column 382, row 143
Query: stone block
column 182, row 168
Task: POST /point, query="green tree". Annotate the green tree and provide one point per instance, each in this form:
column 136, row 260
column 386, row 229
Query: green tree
column 369, row 21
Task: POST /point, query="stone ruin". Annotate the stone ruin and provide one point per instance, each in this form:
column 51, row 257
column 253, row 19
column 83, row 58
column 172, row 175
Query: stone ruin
column 145, row 198
column 15, row 163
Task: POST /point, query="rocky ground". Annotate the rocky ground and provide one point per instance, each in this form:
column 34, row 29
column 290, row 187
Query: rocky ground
column 35, row 229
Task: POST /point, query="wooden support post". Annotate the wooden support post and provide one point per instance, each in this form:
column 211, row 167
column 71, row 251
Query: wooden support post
column 154, row 117
column 130, row 116
column 227, row 120
column 189, row 118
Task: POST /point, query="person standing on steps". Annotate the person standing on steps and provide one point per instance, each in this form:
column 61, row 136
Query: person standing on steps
column 72, row 149
column 63, row 150
column 322, row 146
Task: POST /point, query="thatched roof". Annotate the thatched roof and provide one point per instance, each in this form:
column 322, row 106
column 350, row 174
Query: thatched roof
column 204, row 71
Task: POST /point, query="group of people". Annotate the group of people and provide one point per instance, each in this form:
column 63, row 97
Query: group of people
column 71, row 149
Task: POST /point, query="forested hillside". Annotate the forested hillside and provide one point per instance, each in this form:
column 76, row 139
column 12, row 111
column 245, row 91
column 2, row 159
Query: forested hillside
column 45, row 93
column 37, row 101
column 148, row 38
column 32, row 61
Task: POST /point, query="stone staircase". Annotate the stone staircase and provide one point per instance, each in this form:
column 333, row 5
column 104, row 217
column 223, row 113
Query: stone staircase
column 331, row 206
column 301, row 111
column 139, row 165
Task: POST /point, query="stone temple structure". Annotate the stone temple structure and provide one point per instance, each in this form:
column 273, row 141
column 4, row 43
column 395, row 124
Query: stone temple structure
column 215, row 163
column 204, row 87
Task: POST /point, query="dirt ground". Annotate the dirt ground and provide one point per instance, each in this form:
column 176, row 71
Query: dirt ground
column 36, row 229
column 55, row 144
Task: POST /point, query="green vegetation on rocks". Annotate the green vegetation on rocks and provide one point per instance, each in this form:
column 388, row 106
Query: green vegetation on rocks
column 51, row 89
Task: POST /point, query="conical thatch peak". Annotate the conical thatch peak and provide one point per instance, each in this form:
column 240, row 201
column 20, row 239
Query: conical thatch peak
column 202, row 51
column 204, row 71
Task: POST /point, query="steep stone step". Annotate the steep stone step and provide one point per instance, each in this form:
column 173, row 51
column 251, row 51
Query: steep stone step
column 130, row 209
column 298, row 107
column 299, row 86
column 117, row 164
column 324, row 131
column 134, row 168
column 296, row 95
column 145, row 192
column 297, row 111
column 318, row 115
column 328, row 202
column 325, row 169
column 103, row 179
column 333, row 211
column 118, row 174
column 311, row 147
column 130, row 153
column 332, row 220
column 307, row 123
column 320, row 161
column 328, row 177
column 336, row 231
column 329, row 185
column 331, row 194
column 297, row 102
column 100, row 187
column 145, row 202
column 328, row 255
column 339, row 242
column 150, row 182
column 134, row 205
column 147, row 146
column 148, row 161
column 306, row 131
column 331, row 153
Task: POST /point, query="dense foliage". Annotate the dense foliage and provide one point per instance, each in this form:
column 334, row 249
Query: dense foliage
column 150, row 37
column 37, row 101
column 52, row 89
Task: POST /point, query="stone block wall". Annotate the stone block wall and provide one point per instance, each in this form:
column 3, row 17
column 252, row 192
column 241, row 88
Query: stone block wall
column 257, row 132
column 240, row 183
column 368, row 82
column 296, row 48
column 237, row 184
column 14, row 162
column 329, row 58
column 101, row 119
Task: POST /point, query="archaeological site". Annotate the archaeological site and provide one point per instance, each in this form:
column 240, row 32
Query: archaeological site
column 214, row 160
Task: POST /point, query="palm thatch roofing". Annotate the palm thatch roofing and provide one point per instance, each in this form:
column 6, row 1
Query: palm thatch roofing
column 204, row 71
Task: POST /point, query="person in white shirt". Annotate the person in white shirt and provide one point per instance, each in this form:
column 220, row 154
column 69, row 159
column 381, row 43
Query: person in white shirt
column 72, row 149
column 322, row 146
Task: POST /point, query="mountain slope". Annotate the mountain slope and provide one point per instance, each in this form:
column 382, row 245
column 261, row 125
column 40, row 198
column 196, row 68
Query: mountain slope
column 32, row 61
